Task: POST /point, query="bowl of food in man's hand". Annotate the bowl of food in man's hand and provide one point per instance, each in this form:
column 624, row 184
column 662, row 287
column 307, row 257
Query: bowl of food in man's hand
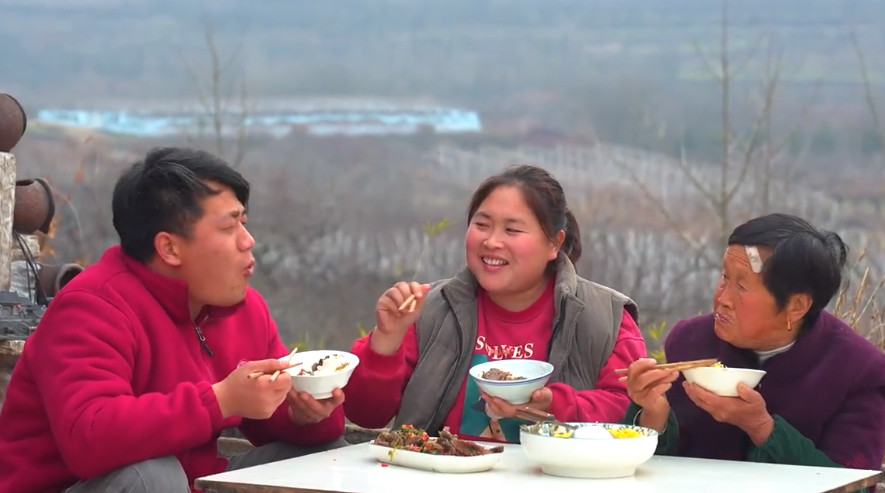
column 723, row 380
column 513, row 380
column 320, row 372
column 588, row 450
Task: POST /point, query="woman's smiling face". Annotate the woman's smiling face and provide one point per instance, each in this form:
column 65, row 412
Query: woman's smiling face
column 507, row 249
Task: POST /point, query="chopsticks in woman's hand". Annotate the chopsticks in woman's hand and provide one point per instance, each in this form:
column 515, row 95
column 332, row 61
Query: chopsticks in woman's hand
column 410, row 302
column 679, row 366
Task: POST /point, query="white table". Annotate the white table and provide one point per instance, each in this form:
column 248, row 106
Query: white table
column 352, row 470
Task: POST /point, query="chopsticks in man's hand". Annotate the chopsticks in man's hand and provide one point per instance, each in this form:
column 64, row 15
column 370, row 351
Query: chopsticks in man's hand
column 273, row 377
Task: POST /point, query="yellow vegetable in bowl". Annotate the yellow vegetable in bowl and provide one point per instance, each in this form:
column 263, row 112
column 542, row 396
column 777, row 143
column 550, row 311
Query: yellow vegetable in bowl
column 624, row 432
column 562, row 432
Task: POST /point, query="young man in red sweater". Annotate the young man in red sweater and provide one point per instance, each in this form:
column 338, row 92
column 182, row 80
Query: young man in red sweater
column 142, row 360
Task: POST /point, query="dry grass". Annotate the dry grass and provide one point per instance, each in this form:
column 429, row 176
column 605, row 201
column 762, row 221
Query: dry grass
column 860, row 303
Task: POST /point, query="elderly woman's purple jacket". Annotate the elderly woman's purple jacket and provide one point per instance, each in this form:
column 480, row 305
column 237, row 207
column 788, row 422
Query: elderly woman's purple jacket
column 830, row 386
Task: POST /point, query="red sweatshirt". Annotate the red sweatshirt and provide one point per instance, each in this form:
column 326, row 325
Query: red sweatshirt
column 115, row 374
column 375, row 388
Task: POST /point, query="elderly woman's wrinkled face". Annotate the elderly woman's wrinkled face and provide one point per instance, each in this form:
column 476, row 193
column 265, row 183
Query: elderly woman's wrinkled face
column 746, row 314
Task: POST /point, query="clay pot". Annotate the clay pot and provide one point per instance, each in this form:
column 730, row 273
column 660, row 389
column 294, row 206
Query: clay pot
column 54, row 277
column 13, row 122
column 34, row 206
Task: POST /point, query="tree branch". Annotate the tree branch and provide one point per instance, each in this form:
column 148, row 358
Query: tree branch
column 867, row 86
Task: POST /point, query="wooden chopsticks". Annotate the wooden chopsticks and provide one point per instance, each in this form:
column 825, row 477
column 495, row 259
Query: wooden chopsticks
column 410, row 302
column 256, row 374
column 538, row 416
column 532, row 414
column 681, row 365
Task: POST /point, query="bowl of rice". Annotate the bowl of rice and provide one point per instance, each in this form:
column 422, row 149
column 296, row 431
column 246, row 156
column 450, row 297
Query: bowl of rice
column 322, row 371
column 722, row 380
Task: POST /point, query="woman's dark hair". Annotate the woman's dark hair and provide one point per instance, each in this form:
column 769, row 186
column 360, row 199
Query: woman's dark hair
column 803, row 258
column 545, row 198
column 163, row 193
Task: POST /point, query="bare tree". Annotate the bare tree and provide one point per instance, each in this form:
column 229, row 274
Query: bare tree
column 752, row 168
column 869, row 97
column 223, row 98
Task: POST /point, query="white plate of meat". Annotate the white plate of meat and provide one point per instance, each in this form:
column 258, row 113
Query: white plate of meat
column 412, row 447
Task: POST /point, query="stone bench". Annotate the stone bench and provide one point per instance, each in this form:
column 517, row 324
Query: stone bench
column 232, row 442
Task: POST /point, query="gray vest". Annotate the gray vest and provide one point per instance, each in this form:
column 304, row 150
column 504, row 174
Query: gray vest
column 586, row 322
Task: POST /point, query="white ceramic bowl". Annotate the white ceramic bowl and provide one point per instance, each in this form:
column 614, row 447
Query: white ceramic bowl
column 535, row 373
column 320, row 386
column 600, row 455
column 723, row 381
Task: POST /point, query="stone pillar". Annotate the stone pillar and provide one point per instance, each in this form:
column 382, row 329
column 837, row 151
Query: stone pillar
column 7, row 207
column 10, row 351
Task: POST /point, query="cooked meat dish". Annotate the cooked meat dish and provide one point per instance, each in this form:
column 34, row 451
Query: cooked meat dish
column 407, row 437
column 499, row 374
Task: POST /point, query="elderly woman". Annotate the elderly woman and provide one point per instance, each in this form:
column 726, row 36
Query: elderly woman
column 822, row 400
